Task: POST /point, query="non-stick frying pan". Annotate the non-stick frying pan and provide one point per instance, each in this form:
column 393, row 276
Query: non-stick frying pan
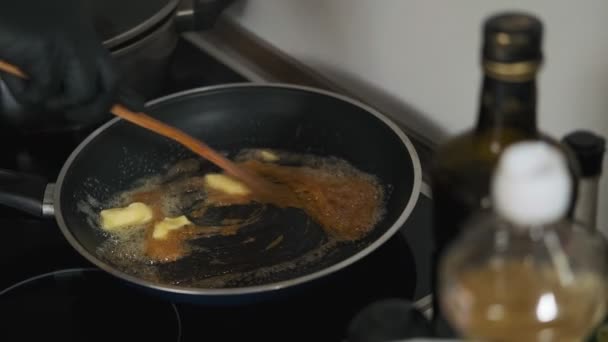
column 230, row 118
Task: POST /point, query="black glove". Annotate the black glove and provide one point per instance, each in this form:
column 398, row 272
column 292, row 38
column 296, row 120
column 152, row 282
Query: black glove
column 55, row 44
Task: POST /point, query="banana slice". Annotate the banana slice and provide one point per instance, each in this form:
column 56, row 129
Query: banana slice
column 134, row 214
column 226, row 184
column 162, row 228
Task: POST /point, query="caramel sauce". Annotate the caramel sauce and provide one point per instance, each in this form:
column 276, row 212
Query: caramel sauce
column 345, row 203
column 169, row 249
column 346, row 206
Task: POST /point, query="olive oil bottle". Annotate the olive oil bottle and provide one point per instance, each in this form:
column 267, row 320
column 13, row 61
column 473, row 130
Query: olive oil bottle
column 511, row 57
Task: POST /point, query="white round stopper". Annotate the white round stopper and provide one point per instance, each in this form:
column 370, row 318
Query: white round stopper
column 531, row 185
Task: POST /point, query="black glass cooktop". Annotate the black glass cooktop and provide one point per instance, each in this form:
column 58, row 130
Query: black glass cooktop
column 53, row 292
column 84, row 305
column 31, row 248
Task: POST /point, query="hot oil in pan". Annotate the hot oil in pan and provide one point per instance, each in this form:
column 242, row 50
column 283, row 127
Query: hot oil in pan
column 344, row 201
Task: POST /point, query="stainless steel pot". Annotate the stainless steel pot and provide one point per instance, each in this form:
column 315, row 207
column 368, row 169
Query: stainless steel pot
column 142, row 34
column 144, row 58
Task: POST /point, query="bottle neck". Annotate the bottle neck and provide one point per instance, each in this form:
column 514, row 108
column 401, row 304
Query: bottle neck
column 507, row 105
column 585, row 210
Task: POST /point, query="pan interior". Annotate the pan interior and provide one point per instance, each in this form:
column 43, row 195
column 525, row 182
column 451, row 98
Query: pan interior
column 230, row 119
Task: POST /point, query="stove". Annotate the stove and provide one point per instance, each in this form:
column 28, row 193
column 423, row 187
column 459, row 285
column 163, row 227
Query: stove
column 47, row 289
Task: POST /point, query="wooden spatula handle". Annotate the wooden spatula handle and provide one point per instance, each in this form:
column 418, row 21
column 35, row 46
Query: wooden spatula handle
column 150, row 123
column 187, row 141
column 11, row 69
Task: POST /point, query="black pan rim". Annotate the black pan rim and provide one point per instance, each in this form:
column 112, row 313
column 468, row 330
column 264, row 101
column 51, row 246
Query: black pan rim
column 237, row 291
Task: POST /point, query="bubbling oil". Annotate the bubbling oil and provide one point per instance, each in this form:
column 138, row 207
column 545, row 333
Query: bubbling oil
column 346, row 202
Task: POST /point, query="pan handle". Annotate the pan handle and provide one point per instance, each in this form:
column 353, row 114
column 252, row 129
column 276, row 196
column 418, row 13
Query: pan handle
column 28, row 193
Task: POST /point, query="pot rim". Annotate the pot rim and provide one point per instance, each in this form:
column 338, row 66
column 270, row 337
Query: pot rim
column 148, row 38
column 275, row 286
column 142, row 27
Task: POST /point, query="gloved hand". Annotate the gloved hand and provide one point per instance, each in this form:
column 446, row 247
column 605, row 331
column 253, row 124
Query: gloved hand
column 55, row 44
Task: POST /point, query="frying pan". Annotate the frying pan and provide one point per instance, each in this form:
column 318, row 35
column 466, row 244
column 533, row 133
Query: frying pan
column 229, row 118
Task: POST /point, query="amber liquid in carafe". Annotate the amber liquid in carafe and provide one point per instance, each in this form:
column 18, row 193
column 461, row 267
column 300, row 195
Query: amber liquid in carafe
column 483, row 307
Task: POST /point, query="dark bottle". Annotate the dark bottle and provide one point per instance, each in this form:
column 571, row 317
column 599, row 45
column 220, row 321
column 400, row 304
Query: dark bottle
column 588, row 149
column 511, row 58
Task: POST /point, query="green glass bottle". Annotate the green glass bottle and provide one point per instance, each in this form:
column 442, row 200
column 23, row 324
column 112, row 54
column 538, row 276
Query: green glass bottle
column 511, row 58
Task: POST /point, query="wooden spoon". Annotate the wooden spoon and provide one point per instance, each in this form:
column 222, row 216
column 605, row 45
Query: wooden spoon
column 255, row 182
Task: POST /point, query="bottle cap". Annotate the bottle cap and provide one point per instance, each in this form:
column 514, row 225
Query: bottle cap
column 531, row 185
column 589, row 150
column 512, row 37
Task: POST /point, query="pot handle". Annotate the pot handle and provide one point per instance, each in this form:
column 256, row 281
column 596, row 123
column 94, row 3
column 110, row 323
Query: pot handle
column 197, row 15
column 28, row 193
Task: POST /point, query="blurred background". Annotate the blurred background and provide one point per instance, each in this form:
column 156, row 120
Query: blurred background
column 420, row 58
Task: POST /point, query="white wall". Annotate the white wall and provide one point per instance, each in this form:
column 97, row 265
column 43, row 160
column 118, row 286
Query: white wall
column 420, row 57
